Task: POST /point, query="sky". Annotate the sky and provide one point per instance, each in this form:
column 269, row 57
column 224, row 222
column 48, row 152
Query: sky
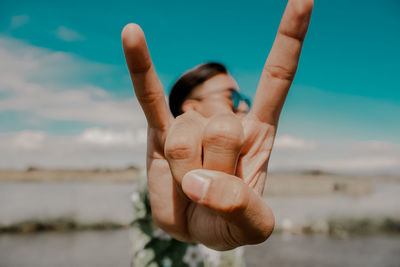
column 66, row 100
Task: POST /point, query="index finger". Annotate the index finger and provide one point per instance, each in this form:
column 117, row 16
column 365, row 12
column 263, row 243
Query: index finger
column 148, row 87
column 281, row 65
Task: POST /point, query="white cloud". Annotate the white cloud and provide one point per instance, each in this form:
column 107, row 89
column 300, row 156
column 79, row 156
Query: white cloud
column 360, row 163
column 367, row 158
column 37, row 83
column 82, row 104
column 68, row 152
column 292, row 142
column 374, row 145
column 68, row 35
column 29, row 140
column 23, row 72
column 107, row 137
column 18, row 21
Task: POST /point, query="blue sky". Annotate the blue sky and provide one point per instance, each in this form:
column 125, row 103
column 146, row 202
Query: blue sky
column 346, row 89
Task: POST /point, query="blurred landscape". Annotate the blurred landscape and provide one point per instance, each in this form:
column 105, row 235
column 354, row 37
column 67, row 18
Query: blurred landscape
column 67, row 107
column 82, row 218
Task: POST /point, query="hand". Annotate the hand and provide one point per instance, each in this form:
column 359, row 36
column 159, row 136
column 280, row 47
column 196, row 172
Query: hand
column 214, row 197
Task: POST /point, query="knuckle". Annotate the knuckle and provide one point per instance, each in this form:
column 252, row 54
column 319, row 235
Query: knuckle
column 263, row 232
column 184, row 138
column 179, row 148
column 300, row 12
column 260, row 237
column 224, row 131
column 150, row 97
column 240, row 201
column 235, row 203
column 279, row 72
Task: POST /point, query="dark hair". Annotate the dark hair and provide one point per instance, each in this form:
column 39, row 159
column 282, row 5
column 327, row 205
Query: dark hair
column 189, row 80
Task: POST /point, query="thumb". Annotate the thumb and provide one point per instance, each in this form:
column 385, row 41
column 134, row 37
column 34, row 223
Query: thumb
column 250, row 219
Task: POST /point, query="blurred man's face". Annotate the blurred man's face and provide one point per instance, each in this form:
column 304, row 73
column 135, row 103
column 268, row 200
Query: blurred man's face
column 214, row 96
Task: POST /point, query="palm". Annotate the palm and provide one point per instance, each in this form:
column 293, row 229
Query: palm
column 212, row 223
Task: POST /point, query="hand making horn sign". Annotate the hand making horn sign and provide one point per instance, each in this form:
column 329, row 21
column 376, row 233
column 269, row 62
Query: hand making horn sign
column 207, row 167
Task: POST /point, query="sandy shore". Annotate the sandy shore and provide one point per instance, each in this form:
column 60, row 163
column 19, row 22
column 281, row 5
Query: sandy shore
column 309, row 183
column 43, row 175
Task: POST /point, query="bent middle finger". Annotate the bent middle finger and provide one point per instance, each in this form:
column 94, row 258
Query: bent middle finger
column 183, row 145
column 222, row 140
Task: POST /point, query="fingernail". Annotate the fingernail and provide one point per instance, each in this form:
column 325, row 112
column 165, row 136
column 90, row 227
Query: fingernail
column 195, row 185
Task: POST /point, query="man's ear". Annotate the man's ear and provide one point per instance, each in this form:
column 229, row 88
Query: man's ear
column 189, row 104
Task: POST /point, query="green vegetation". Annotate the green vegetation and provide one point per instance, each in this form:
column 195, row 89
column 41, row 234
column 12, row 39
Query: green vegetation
column 60, row 224
column 343, row 227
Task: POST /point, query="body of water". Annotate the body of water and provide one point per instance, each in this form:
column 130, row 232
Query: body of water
column 112, row 248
